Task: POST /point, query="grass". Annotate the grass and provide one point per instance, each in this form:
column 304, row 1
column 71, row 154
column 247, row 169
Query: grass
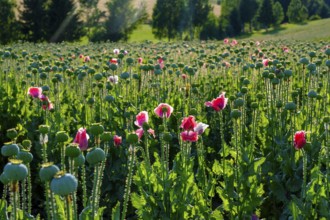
column 313, row 30
column 142, row 33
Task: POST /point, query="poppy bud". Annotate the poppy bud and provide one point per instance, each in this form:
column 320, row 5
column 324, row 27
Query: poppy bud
column 11, row 133
column 61, row 136
column 235, row 113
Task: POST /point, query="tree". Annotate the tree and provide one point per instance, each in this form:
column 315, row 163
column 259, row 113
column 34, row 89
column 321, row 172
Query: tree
column 285, row 5
column 266, row 13
column 297, row 12
column 167, row 19
column 8, row 22
column 197, row 14
column 122, row 20
column 92, row 16
column 230, row 23
column 278, row 13
column 247, row 11
column 33, row 20
column 64, row 23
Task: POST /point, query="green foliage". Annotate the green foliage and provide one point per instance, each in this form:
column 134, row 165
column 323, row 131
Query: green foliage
column 64, row 22
column 122, row 20
column 33, row 20
column 266, row 15
column 279, row 13
column 297, row 12
column 248, row 10
column 8, row 22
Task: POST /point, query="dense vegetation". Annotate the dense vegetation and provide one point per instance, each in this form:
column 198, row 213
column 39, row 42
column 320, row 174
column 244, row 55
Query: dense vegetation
column 215, row 130
column 69, row 20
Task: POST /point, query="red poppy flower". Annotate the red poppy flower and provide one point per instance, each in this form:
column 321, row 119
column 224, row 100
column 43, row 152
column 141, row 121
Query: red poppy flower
column 188, row 123
column 190, row 136
column 218, row 103
column 82, row 139
column 299, row 139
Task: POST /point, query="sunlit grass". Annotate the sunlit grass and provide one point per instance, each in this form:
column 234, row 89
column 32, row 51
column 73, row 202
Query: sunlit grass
column 142, row 33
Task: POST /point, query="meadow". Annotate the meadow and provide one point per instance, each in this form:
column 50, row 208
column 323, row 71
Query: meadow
column 237, row 129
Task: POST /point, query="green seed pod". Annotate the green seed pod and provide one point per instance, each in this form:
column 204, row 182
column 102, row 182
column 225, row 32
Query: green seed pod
column 291, row 106
column 9, row 149
column 254, row 105
column 132, row 139
column 113, row 66
column 327, row 51
column 26, row 144
column 79, row 161
column 167, row 136
column 327, row 63
column 62, row 136
column 15, row 170
column 312, row 54
column 48, row 171
column 4, row 179
column 304, row 61
column 244, row 90
column 11, row 133
column 311, row 67
column 72, row 150
column 312, row 94
column 25, row 156
column 106, row 136
column 95, row 155
column 238, row 102
column 98, row 76
column 64, row 184
column 109, row 98
column 235, row 114
column 43, row 129
column 260, row 96
column 279, row 104
column 96, row 129
column 129, row 60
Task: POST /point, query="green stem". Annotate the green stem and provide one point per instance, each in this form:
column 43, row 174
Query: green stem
column 67, row 204
column 29, row 188
column 94, row 194
column 83, row 180
column 128, row 181
column 15, row 189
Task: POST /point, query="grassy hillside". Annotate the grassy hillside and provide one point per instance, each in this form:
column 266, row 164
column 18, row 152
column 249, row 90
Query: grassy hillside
column 313, row 30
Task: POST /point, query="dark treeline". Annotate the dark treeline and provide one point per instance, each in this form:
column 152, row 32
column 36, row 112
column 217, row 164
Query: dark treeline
column 69, row 20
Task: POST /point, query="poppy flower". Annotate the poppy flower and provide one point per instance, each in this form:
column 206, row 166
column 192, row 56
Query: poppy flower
column 116, row 51
column 141, row 118
column 87, row 59
column 114, row 61
column 163, row 109
column 265, row 62
column 188, row 123
column 218, row 103
column 48, row 106
column 299, row 139
column 233, row 42
column 200, row 128
column 35, row 92
column 113, row 79
column 117, row 140
column 140, row 60
column 191, row 136
column 139, row 132
column 82, row 139
column 226, row 41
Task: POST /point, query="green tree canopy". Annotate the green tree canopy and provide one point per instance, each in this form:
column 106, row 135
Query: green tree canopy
column 33, row 20
column 278, row 13
column 266, row 13
column 8, row 22
column 248, row 10
column 297, row 12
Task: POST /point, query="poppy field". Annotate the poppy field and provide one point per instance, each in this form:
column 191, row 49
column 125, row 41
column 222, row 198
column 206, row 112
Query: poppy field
column 185, row 130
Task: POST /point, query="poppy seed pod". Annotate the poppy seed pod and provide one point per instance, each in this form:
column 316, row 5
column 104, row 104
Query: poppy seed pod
column 25, row 156
column 235, row 113
column 312, row 94
column 80, row 160
column 96, row 129
column 95, row 155
column 61, row 136
column 132, row 139
column 4, row 179
column 63, row 185
column 11, row 133
column 291, row 106
column 48, row 171
column 9, row 150
column 15, row 170
column 26, row 144
column 106, row 136
column 72, row 150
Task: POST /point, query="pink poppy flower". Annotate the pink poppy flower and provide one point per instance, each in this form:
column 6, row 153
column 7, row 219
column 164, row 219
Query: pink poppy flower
column 139, row 132
column 35, row 92
column 226, row 41
column 140, row 60
column 299, row 139
column 117, row 140
column 48, row 106
column 190, row 136
column 163, row 109
column 257, row 43
column 125, row 52
column 82, row 139
column 188, row 123
column 265, row 62
column 87, row 59
column 81, row 56
column 141, row 118
column 200, row 128
column 218, row 103
column 233, row 42
column 161, row 63
column 184, row 76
